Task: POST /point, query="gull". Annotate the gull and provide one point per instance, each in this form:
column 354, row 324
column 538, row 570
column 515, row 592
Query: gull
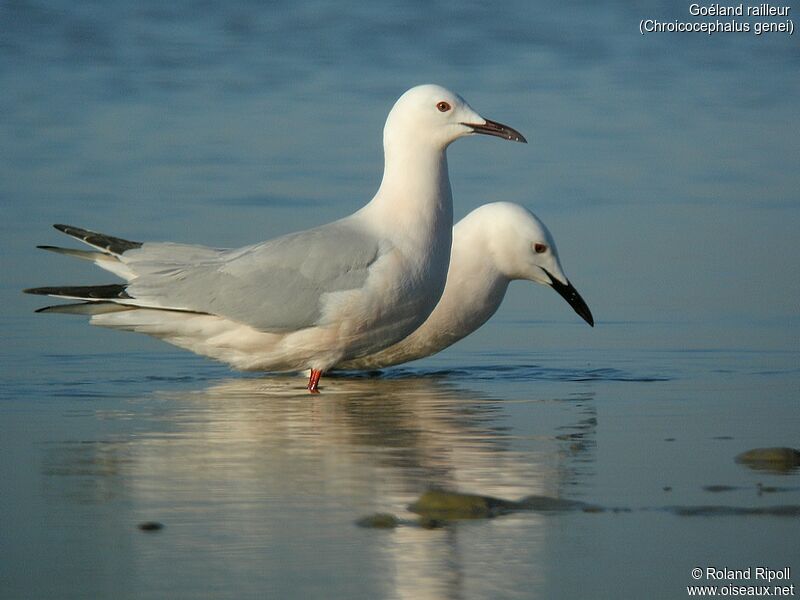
column 493, row 245
column 306, row 300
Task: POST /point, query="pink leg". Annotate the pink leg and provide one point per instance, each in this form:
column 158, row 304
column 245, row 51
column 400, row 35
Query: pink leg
column 313, row 381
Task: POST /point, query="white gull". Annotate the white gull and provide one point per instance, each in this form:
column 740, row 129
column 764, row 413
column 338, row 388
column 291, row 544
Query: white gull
column 311, row 299
column 493, row 245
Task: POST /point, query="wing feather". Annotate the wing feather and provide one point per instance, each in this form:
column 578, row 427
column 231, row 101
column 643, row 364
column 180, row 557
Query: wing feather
column 275, row 286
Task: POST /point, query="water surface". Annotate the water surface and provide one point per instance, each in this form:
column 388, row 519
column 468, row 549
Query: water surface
column 666, row 167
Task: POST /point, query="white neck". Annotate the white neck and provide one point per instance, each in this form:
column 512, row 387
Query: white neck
column 474, row 291
column 414, row 201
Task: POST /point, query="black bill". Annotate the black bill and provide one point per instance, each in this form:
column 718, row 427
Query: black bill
column 571, row 295
column 497, row 129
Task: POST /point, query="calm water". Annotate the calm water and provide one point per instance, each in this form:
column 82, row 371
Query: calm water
column 668, row 168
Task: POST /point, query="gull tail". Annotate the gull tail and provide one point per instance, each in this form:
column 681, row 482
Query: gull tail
column 126, row 259
column 86, row 308
column 107, row 253
column 95, row 299
column 91, row 255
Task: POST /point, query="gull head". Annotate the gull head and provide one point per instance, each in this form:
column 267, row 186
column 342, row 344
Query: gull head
column 434, row 115
column 523, row 248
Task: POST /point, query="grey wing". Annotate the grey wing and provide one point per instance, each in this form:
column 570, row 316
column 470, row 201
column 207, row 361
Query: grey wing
column 274, row 286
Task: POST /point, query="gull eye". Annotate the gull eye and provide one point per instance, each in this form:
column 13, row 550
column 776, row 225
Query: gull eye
column 443, row 106
column 539, row 248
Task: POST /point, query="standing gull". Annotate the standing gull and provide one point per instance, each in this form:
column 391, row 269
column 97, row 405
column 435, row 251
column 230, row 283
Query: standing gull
column 493, row 245
column 311, row 299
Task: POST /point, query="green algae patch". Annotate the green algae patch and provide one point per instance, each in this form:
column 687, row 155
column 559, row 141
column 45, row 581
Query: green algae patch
column 438, row 508
column 445, row 505
column 379, row 521
column 780, row 460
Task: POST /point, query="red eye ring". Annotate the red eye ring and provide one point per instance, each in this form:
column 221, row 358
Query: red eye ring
column 443, row 106
column 539, row 248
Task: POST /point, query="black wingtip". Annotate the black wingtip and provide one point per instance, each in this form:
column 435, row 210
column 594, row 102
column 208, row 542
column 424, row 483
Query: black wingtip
column 37, row 291
column 64, row 228
column 114, row 291
column 102, row 241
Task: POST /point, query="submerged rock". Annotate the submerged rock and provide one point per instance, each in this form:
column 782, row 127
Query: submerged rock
column 772, row 489
column 549, row 504
column 719, row 488
column 770, row 459
column 594, row 509
column 431, row 523
column 715, row 511
column 440, row 508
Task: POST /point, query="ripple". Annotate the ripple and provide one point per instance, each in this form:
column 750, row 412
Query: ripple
column 510, row 372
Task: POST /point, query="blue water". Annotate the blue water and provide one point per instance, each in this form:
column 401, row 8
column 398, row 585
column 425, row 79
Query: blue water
column 667, row 166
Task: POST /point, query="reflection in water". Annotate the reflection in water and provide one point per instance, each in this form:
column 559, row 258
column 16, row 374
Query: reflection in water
column 265, row 465
column 96, row 470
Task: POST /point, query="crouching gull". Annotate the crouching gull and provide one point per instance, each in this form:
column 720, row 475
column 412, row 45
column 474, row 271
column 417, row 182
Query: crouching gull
column 493, row 245
column 307, row 300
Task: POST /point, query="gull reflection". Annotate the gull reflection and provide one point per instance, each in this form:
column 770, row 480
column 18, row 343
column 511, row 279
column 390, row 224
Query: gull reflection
column 255, row 453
